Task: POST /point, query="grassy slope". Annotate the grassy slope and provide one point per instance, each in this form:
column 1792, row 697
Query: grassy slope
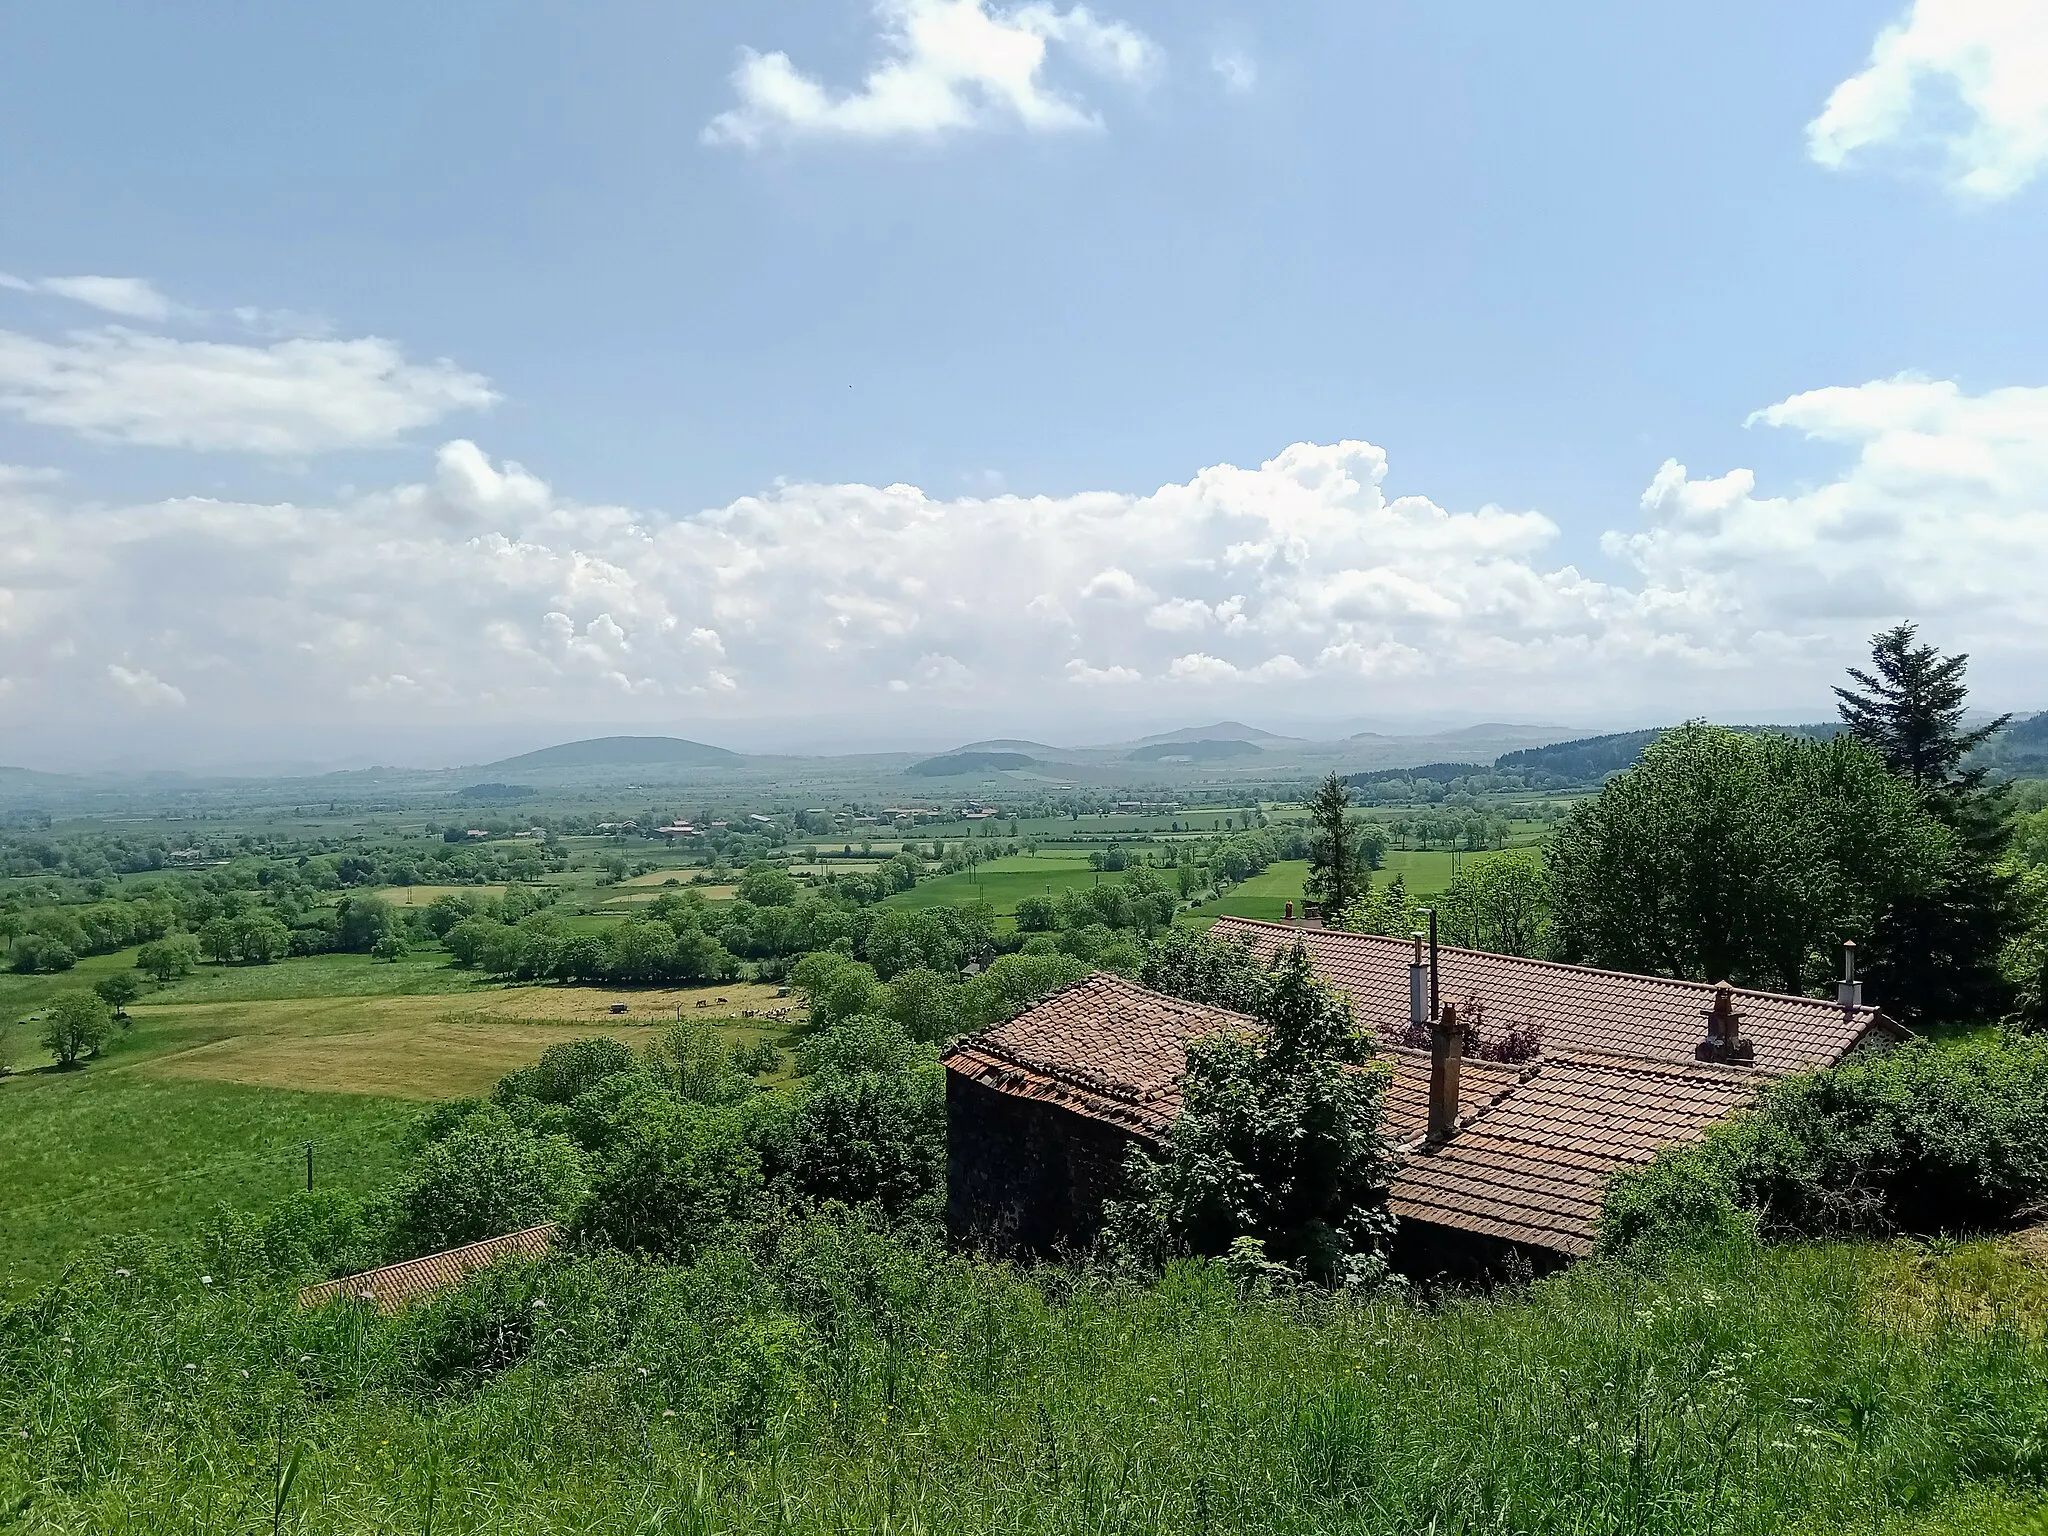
column 212, row 1091
column 1801, row 1390
column 114, row 1149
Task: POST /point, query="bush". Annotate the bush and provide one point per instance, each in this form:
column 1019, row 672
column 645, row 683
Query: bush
column 1279, row 1142
column 488, row 1176
column 35, row 953
column 1929, row 1137
column 680, row 1177
column 567, row 1071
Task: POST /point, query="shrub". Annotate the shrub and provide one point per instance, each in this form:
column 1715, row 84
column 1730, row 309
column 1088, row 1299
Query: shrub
column 489, row 1176
column 681, row 1175
column 871, row 1127
column 566, row 1071
column 1279, row 1141
column 41, row 953
column 1925, row 1138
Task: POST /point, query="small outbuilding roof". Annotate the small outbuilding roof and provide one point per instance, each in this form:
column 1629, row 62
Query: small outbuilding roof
column 395, row 1284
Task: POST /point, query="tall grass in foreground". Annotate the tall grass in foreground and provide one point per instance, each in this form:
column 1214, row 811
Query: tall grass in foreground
column 834, row 1379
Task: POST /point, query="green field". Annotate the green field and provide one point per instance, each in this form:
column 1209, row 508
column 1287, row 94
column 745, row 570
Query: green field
column 211, row 1093
column 1002, row 882
column 114, row 1149
column 1265, row 895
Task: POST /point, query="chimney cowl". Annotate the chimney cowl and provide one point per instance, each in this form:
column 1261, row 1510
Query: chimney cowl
column 1849, row 991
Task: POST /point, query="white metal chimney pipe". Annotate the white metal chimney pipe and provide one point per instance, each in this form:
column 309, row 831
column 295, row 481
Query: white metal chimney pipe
column 1418, row 987
column 1849, row 993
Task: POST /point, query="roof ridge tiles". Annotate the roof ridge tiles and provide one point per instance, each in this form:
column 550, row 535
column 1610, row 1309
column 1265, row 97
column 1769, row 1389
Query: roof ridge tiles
column 1707, row 987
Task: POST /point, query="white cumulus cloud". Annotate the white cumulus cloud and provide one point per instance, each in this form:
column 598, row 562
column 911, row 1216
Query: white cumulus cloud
column 1965, row 78
column 300, row 395
column 133, row 298
column 144, row 686
column 481, row 592
column 949, row 65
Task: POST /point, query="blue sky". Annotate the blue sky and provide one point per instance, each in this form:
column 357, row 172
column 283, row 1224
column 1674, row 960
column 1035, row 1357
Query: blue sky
column 484, row 372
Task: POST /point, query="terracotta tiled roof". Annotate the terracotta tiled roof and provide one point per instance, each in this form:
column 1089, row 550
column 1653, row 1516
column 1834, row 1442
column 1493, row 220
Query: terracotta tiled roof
column 395, row 1284
column 1104, row 1047
column 1404, row 1113
column 1576, row 1008
column 1531, row 1167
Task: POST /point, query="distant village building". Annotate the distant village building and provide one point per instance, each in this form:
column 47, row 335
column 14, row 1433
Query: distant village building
column 1503, row 1158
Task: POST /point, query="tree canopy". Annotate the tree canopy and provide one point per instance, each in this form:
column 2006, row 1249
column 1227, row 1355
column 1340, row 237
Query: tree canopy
column 1742, row 857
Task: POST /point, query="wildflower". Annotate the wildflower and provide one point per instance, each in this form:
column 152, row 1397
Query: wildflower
column 122, row 1273
column 539, row 1305
column 190, row 1366
column 206, row 1279
column 643, row 1370
column 304, row 1358
column 668, row 1413
column 1151, row 1399
column 245, row 1375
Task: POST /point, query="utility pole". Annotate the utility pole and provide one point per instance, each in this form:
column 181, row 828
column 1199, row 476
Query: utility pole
column 309, row 1167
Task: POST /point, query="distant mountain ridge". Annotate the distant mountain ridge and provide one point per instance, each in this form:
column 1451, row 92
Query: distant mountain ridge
column 1222, row 730
column 952, row 764
column 1208, row 749
column 619, row 752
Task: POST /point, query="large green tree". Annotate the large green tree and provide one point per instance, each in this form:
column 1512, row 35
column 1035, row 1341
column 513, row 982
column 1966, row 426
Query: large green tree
column 1748, row 858
column 76, row 1025
column 1342, row 853
column 1940, row 945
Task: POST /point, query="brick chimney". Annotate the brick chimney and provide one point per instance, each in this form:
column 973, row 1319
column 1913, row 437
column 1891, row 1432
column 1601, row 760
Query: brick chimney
column 1725, row 1040
column 1446, row 1055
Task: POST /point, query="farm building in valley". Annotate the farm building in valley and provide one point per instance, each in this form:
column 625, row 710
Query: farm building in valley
column 1549, row 1080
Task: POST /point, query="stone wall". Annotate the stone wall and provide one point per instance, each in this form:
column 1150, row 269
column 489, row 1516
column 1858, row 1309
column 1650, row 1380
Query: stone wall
column 1024, row 1176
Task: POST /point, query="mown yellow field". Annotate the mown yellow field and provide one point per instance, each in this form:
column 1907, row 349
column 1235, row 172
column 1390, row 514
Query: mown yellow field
column 431, row 1047
column 423, row 895
column 634, row 896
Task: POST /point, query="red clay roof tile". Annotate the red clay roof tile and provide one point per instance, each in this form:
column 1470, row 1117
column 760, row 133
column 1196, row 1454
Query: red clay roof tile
column 1575, row 1008
column 395, row 1284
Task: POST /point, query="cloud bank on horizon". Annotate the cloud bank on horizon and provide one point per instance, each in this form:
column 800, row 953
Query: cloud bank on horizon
column 485, row 594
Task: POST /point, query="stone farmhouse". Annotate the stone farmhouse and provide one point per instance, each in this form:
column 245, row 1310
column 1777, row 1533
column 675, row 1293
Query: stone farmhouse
column 1512, row 1103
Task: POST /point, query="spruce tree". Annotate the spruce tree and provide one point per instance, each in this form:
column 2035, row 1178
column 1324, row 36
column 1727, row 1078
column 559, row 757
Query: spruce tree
column 1910, row 712
column 1342, row 852
column 1937, row 955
